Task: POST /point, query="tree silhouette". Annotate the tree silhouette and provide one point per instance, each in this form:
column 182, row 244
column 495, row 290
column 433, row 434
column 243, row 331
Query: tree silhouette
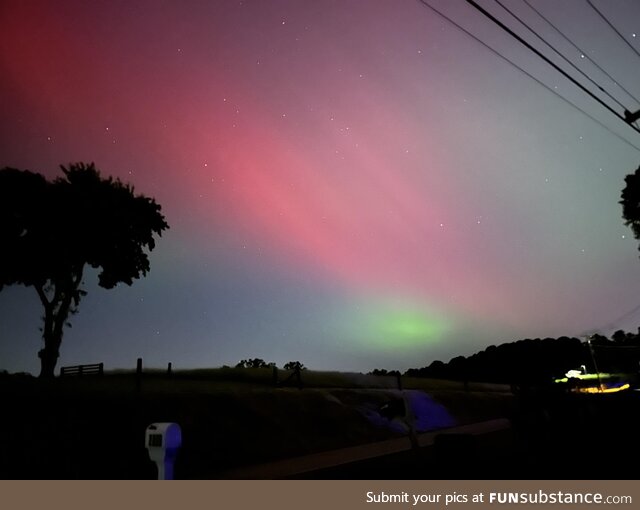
column 294, row 365
column 254, row 363
column 51, row 230
column 521, row 362
column 631, row 202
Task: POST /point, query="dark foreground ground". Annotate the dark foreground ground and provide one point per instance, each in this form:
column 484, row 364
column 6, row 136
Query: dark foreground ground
column 581, row 439
column 74, row 430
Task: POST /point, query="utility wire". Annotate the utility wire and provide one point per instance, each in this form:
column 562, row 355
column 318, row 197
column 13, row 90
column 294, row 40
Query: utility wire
column 627, row 315
column 459, row 27
column 613, row 28
column 560, row 54
column 636, row 309
column 556, row 67
column 582, row 53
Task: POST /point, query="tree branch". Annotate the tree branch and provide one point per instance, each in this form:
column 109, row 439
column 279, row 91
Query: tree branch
column 42, row 296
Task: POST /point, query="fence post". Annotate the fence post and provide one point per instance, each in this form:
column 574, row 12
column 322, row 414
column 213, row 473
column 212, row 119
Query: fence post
column 409, row 417
column 138, row 374
column 169, row 369
column 410, row 420
column 298, row 377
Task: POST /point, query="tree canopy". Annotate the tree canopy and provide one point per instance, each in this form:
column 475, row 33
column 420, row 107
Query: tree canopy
column 254, row 363
column 50, row 230
column 631, row 202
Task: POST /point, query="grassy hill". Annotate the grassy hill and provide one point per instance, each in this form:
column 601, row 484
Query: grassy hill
column 93, row 427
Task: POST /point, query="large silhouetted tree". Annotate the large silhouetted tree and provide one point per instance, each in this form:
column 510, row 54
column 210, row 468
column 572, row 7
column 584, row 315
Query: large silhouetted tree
column 631, row 202
column 51, row 230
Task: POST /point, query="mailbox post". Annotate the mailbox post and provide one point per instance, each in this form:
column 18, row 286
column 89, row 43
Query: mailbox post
column 163, row 440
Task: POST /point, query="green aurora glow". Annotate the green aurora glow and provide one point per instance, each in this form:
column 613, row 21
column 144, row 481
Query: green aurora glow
column 400, row 325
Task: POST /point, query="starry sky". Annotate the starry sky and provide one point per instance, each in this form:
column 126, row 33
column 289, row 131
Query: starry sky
column 352, row 184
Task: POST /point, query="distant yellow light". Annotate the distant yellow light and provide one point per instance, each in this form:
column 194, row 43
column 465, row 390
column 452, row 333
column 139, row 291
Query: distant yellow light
column 603, row 389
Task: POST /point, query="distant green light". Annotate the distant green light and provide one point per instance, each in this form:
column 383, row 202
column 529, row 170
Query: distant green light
column 392, row 325
column 407, row 325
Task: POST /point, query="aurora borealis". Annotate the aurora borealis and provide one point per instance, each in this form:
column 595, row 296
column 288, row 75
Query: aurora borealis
column 351, row 184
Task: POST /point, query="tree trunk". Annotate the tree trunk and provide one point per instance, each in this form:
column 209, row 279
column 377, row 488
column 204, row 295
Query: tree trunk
column 48, row 359
column 52, row 336
column 48, row 355
column 56, row 312
column 54, row 319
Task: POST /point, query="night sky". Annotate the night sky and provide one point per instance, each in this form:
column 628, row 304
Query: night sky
column 352, row 184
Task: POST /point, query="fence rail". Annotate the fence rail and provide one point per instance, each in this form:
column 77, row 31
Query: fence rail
column 90, row 369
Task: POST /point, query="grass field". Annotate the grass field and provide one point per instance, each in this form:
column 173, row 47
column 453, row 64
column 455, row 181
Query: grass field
column 93, row 427
column 232, row 419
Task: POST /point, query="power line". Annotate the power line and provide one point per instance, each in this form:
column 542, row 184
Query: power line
column 613, row 28
column 560, row 54
column 543, row 57
column 459, row 27
column 582, row 53
column 611, row 325
column 636, row 309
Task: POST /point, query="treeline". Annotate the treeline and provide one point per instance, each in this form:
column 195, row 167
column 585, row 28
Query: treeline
column 539, row 360
column 260, row 363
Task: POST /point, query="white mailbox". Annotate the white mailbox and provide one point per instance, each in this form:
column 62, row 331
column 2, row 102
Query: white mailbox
column 163, row 440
